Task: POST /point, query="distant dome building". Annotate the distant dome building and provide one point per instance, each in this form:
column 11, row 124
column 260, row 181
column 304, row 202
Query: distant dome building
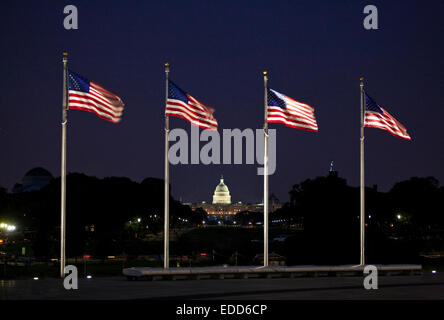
column 34, row 179
column 221, row 194
column 223, row 207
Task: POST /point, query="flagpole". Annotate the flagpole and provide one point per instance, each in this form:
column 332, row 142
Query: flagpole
column 362, row 187
column 63, row 168
column 265, row 172
column 166, row 258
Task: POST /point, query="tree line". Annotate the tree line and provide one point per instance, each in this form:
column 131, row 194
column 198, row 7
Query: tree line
column 113, row 215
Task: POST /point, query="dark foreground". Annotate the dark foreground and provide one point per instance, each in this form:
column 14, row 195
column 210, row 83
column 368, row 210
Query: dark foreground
column 427, row 286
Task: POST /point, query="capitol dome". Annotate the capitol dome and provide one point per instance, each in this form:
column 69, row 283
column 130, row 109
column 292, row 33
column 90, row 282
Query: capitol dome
column 221, row 194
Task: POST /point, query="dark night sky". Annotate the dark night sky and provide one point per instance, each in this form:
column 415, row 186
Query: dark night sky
column 315, row 52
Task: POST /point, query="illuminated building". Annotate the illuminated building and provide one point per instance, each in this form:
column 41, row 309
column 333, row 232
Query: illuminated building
column 224, row 208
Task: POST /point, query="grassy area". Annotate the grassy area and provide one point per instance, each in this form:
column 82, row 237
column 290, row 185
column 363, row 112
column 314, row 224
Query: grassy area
column 196, row 247
column 436, row 264
column 190, row 249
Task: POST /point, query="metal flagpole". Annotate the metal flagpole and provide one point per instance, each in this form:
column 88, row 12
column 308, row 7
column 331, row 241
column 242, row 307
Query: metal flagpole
column 166, row 231
column 63, row 168
column 362, row 187
column 265, row 173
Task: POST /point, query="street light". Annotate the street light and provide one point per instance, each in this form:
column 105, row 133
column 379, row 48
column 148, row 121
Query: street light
column 6, row 226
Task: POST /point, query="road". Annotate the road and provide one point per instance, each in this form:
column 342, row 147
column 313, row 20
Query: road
column 427, row 286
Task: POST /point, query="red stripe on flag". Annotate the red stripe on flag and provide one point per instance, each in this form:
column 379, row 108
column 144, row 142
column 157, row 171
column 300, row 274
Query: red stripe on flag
column 194, row 112
column 98, row 100
column 175, row 112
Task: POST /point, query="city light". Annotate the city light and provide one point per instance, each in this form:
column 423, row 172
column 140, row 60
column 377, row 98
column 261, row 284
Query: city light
column 399, row 217
column 138, row 219
column 433, row 271
column 7, row 227
column 36, row 278
column 88, row 277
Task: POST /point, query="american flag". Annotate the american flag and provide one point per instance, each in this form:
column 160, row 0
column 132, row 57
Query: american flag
column 181, row 104
column 89, row 96
column 283, row 109
column 376, row 117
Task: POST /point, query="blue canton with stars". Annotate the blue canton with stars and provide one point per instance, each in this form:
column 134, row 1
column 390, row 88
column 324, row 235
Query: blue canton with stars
column 174, row 92
column 77, row 82
column 274, row 100
column 371, row 105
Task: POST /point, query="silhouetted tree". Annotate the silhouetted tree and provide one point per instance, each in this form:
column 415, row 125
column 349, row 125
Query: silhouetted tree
column 114, row 215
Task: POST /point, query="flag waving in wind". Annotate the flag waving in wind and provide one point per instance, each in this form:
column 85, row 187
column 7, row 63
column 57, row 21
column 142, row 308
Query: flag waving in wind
column 89, row 96
column 376, row 117
column 181, row 104
column 283, row 109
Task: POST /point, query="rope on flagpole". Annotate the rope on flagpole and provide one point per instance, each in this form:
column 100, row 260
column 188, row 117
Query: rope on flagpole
column 265, row 73
column 166, row 231
column 362, row 176
column 63, row 168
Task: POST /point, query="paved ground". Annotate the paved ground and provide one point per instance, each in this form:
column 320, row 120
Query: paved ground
column 390, row 287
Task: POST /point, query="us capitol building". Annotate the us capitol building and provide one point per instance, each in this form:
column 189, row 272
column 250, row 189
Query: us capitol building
column 223, row 207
